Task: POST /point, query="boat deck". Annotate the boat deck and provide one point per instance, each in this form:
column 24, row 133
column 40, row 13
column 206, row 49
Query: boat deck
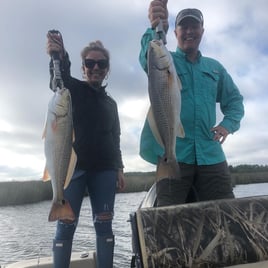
column 78, row 260
column 263, row 264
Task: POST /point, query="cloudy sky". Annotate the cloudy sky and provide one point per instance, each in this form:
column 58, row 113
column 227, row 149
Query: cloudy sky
column 235, row 34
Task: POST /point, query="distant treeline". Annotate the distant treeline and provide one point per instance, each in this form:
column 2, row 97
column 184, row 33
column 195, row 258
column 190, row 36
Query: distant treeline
column 19, row 193
column 248, row 168
column 245, row 174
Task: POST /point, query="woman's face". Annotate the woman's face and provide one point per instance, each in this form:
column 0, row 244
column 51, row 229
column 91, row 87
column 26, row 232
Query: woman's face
column 95, row 68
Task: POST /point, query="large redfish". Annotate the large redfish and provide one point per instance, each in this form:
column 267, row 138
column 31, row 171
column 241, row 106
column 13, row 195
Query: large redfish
column 60, row 156
column 164, row 114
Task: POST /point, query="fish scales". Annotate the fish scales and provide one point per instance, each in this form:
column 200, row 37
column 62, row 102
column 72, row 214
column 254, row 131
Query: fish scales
column 164, row 115
column 162, row 100
column 60, row 157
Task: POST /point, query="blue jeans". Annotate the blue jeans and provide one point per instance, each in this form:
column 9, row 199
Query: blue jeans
column 101, row 186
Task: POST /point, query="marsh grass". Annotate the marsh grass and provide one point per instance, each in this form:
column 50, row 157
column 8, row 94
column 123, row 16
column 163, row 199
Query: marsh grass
column 139, row 181
column 249, row 177
column 26, row 192
column 18, row 193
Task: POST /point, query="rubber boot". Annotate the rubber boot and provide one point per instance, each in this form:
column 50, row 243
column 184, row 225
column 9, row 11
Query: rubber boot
column 105, row 251
column 62, row 250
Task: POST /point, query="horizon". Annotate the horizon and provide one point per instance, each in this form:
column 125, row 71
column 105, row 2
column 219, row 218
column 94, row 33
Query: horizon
column 141, row 172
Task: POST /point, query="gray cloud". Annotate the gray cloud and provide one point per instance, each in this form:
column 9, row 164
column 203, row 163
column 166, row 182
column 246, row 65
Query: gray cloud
column 234, row 34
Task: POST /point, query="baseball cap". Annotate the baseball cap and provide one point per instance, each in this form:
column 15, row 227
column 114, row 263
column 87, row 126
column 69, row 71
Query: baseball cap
column 189, row 13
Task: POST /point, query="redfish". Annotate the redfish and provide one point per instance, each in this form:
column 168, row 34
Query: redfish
column 60, row 156
column 164, row 114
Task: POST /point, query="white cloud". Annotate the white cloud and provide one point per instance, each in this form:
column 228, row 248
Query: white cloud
column 234, row 34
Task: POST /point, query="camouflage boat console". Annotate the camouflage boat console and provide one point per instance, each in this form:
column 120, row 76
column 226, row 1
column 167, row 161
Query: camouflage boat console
column 202, row 235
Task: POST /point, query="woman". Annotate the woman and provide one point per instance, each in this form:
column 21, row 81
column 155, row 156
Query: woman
column 99, row 167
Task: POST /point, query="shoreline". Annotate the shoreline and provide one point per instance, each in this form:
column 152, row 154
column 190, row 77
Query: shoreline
column 27, row 192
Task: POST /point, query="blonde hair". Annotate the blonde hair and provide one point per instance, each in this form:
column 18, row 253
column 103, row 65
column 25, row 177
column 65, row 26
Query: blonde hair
column 95, row 46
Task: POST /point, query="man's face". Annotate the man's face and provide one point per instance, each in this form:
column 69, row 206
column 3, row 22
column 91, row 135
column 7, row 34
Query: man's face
column 189, row 34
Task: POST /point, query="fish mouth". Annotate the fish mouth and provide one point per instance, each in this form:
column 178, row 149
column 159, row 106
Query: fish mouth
column 157, row 42
column 156, row 47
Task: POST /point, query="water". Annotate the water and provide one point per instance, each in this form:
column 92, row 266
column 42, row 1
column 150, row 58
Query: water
column 25, row 232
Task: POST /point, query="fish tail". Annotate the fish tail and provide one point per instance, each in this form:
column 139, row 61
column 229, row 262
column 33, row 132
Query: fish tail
column 168, row 169
column 61, row 211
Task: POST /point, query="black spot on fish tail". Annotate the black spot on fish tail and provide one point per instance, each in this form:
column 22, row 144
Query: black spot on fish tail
column 167, row 169
column 61, row 211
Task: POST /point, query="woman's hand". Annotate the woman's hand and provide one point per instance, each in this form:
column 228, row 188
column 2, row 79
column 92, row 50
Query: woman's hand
column 55, row 44
column 121, row 180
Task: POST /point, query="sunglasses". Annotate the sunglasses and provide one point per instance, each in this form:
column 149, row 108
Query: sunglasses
column 89, row 63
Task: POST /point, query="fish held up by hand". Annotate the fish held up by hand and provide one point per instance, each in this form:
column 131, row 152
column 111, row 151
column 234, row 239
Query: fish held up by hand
column 164, row 113
column 59, row 153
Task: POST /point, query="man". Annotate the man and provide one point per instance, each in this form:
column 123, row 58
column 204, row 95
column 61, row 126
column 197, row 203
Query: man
column 205, row 82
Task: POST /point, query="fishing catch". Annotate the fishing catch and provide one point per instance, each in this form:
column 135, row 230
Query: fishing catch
column 59, row 137
column 60, row 156
column 164, row 113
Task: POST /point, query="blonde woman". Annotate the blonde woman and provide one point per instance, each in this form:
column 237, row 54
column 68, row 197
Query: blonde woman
column 99, row 168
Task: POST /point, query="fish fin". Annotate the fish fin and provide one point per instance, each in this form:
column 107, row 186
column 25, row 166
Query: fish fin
column 180, row 131
column 44, row 131
column 153, row 127
column 71, row 167
column 167, row 169
column 46, row 176
column 179, row 82
column 73, row 136
column 62, row 212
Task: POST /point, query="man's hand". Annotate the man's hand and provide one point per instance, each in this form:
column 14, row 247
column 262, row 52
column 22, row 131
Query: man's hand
column 220, row 134
column 158, row 10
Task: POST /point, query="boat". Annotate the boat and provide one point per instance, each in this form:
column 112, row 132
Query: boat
column 78, row 260
column 210, row 234
column 223, row 233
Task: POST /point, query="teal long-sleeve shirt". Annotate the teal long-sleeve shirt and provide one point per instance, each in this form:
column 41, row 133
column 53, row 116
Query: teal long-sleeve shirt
column 204, row 83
